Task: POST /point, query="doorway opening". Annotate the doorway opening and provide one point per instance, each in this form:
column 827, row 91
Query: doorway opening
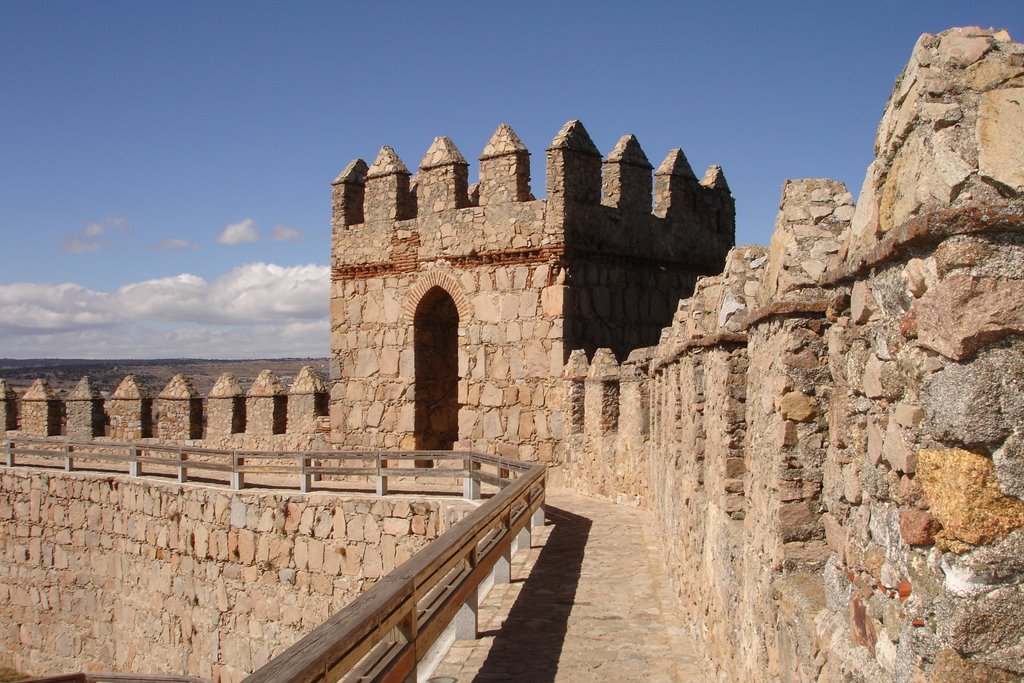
column 436, row 353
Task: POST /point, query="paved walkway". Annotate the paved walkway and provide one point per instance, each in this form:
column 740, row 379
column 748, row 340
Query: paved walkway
column 589, row 602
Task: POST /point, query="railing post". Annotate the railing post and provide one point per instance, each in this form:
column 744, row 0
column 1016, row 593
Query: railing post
column 69, row 463
column 316, row 476
column 382, row 481
column 305, row 479
column 502, row 572
column 134, row 466
column 524, row 539
column 182, row 470
column 10, row 453
column 237, row 478
column 466, row 619
column 470, row 485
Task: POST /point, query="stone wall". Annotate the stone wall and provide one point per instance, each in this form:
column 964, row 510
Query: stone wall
column 148, row 577
column 268, row 416
column 513, row 283
column 833, row 443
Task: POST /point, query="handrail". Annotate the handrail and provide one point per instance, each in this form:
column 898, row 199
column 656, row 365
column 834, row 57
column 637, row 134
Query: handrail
column 417, row 600
column 302, row 469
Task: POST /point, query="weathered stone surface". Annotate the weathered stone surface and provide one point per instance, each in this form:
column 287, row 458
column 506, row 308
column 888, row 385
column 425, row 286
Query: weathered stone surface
column 963, row 495
column 141, row 554
column 797, row 406
column 963, row 313
column 1000, row 144
column 951, row 668
column 918, row 527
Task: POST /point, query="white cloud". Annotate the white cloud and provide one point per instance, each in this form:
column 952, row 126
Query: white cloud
column 285, row 233
column 90, row 237
column 239, row 233
column 175, row 243
column 254, row 310
column 79, row 245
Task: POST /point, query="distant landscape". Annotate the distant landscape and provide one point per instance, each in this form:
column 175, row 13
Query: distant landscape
column 64, row 373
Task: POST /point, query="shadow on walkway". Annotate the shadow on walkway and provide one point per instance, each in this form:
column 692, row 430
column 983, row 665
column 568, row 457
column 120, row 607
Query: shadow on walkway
column 528, row 645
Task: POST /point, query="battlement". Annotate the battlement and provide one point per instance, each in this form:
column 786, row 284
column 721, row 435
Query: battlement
column 383, row 214
column 174, row 415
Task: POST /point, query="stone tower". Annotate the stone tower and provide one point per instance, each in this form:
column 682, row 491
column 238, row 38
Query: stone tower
column 453, row 311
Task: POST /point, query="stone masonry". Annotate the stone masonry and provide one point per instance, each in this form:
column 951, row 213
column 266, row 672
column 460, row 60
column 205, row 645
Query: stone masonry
column 833, row 443
column 453, row 312
column 98, row 572
column 828, row 431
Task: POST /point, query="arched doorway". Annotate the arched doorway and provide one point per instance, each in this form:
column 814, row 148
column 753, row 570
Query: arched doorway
column 436, row 352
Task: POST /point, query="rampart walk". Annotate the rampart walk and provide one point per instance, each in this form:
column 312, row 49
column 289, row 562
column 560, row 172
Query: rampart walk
column 829, row 433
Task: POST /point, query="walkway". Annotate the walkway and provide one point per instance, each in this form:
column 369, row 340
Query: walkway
column 589, row 602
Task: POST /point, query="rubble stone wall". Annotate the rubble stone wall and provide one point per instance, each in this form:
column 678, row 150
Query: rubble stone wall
column 148, row 577
column 833, row 444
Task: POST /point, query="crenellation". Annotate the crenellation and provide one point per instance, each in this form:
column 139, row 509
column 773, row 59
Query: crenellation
column 130, row 408
column 601, row 408
column 179, row 411
column 266, row 405
column 676, row 190
column 225, row 407
column 626, row 181
column 348, row 196
column 42, row 410
column 8, row 406
column 529, row 280
column 827, row 431
column 85, row 416
column 443, row 179
column 388, row 196
column 573, row 167
column 307, row 401
column 504, row 169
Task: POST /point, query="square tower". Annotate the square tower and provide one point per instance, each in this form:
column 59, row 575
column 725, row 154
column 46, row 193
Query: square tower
column 454, row 308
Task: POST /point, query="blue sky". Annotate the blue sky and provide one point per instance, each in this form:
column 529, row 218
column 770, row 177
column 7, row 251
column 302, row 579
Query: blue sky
column 135, row 135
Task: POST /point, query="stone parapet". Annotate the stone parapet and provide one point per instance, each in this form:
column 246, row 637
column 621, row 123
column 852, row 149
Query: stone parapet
column 833, row 437
column 157, row 577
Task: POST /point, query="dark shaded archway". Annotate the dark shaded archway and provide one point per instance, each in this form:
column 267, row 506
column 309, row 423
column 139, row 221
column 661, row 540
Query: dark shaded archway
column 436, row 350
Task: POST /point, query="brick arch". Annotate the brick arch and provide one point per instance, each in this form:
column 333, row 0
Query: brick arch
column 437, row 278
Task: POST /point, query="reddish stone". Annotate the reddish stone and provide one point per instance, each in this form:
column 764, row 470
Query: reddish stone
column 918, row 527
column 904, row 590
column 908, row 325
column 862, row 630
